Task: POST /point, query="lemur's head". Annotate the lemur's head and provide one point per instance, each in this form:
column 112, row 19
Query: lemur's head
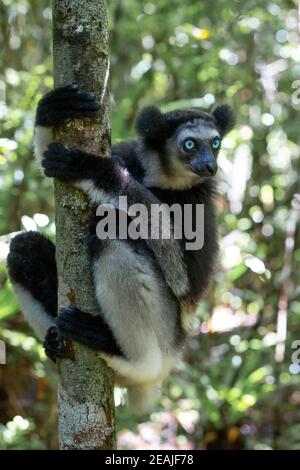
column 180, row 148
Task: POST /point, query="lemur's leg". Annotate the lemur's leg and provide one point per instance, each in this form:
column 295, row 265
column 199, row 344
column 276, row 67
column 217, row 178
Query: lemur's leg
column 90, row 330
column 134, row 298
column 136, row 307
column 56, row 106
column 104, row 180
column 147, row 312
column 32, row 270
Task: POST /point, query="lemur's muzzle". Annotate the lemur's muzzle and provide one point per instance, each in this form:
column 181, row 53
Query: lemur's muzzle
column 204, row 162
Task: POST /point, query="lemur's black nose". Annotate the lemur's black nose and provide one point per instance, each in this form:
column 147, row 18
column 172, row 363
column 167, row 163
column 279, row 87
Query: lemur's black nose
column 210, row 168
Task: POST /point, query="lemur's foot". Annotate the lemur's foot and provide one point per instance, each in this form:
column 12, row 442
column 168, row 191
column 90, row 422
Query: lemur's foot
column 54, row 344
column 66, row 103
column 90, row 330
column 68, row 164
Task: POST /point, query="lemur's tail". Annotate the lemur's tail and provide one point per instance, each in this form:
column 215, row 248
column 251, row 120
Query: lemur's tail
column 142, row 397
column 32, row 270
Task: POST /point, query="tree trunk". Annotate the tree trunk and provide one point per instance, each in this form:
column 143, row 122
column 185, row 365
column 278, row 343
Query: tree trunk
column 85, row 391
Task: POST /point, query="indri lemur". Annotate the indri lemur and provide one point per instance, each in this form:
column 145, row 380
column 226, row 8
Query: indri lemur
column 143, row 287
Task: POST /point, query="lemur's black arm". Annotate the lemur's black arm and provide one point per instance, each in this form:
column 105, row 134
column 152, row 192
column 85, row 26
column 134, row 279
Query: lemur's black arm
column 103, row 180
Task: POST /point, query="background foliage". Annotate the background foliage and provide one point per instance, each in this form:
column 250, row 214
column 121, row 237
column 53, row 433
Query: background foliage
column 238, row 387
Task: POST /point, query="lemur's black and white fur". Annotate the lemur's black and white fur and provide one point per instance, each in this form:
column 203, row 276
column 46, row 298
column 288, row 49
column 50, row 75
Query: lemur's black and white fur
column 143, row 287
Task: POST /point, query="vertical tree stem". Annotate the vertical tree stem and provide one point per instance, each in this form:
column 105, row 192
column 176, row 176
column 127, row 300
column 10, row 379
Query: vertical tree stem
column 85, row 392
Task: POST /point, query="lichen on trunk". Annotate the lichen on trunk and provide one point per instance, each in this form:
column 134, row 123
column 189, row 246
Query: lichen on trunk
column 85, row 391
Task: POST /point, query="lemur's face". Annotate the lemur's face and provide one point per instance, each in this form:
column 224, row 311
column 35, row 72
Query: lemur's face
column 180, row 147
column 193, row 149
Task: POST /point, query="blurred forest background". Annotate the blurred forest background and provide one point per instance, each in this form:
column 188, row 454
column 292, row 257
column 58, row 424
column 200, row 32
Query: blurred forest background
column 239, row 387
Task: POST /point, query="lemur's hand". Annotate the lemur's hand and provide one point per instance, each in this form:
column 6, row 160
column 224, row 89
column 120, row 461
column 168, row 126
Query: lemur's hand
column 54, row 344
column 66, row 103
column 69, row 165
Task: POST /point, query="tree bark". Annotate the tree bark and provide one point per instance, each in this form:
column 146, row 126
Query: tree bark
column 85, row 391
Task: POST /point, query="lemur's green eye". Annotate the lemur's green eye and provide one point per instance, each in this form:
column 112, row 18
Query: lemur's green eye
column 189, row 144
column 216, row 143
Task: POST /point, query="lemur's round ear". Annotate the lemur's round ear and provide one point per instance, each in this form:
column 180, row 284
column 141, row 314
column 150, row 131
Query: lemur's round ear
column 151, row 124
column 224, row 117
